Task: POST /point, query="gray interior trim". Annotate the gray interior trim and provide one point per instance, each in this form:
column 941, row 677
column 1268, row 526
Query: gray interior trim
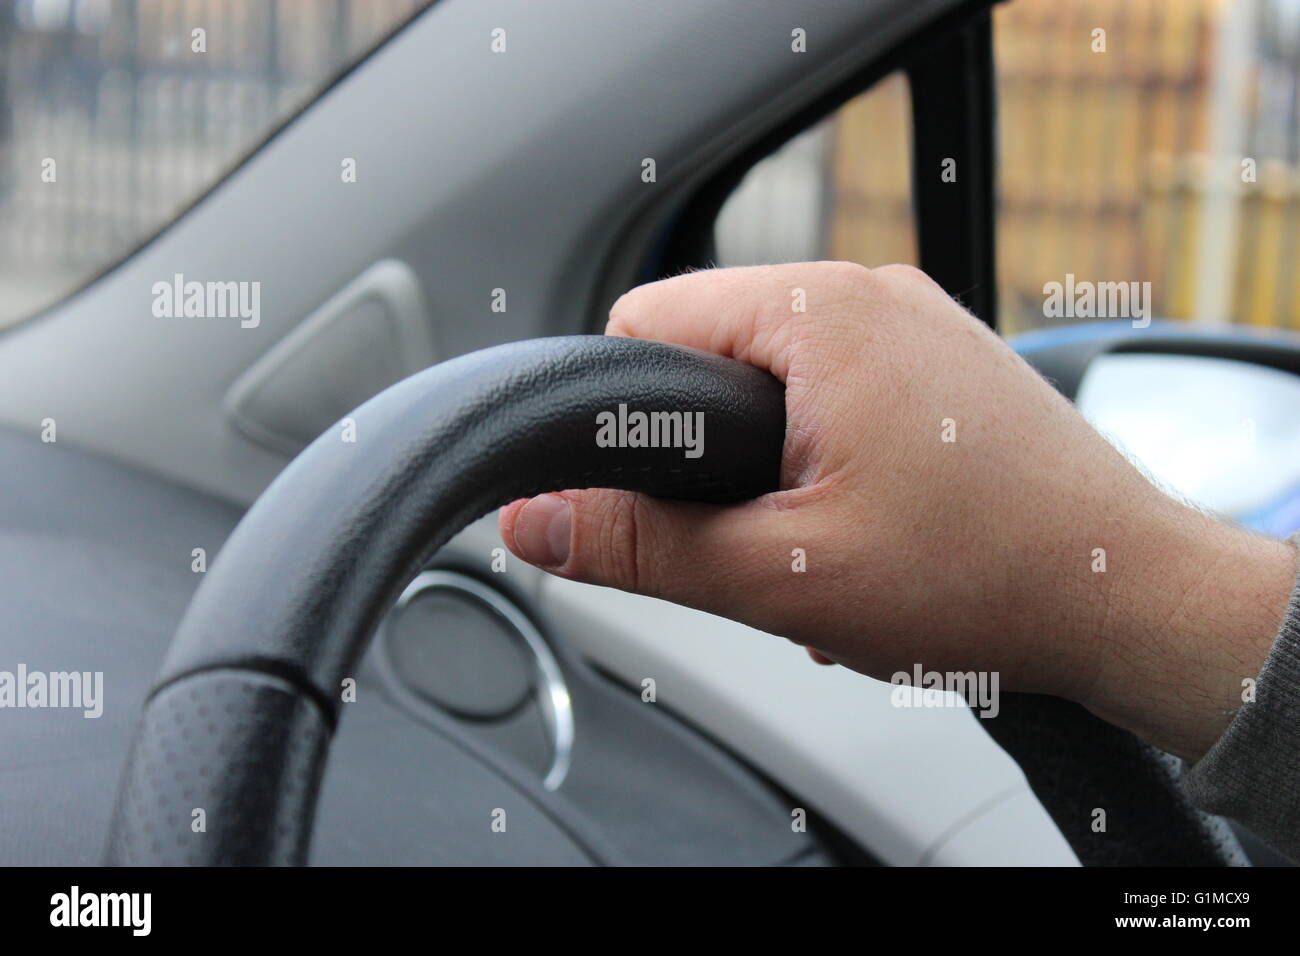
column 517, row 171
column 376, row 331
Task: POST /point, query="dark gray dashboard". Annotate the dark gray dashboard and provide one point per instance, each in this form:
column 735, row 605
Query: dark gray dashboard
column 96, row 570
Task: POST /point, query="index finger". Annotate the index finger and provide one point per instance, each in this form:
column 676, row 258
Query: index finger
column 746, row 313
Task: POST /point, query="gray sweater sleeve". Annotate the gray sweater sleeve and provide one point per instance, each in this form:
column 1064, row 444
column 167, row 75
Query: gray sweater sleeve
column 1252, row 773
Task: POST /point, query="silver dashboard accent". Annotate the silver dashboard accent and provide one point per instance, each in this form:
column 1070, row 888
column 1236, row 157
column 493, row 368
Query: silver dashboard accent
column 552, row 692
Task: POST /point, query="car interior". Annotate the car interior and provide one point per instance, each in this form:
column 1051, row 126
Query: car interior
column 325, row 643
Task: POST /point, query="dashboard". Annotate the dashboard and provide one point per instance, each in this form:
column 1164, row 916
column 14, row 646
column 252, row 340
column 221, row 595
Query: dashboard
column 471, row 733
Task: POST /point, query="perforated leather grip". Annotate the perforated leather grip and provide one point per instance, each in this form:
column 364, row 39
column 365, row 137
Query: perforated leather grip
column 238, row 723
column 225, row 771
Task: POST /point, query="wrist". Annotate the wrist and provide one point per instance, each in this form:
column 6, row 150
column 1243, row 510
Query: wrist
column 1188, row 630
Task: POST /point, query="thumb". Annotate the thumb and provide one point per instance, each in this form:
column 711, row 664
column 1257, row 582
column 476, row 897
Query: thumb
column 711, row 557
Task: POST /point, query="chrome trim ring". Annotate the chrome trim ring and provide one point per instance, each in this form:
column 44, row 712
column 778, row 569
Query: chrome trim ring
column 553, row 691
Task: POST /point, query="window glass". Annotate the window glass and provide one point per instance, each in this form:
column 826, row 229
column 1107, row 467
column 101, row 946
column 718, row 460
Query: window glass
column 842, row 190
column 1140, row 141
column 116, row 114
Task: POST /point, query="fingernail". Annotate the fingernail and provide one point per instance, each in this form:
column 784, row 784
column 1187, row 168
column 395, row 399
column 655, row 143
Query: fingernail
column 542, row 531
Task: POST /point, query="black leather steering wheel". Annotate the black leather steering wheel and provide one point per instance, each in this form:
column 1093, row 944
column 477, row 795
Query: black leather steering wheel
column 240, row 718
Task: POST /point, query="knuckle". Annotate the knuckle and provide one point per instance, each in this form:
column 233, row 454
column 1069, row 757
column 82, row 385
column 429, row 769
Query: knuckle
column 621, row 313
column 621, row 541
column 903, row 274
column 850, row 273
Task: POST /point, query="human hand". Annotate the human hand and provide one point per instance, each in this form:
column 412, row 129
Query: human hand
column 949, row 503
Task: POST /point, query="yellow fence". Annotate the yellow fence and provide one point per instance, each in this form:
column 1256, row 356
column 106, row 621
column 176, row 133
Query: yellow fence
column 1104, row 172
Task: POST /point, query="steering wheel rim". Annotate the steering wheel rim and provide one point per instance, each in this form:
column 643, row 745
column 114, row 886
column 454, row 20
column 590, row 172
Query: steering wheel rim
column 239, row 720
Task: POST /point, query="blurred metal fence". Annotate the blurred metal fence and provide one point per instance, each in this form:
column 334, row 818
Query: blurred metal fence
column 134, row 114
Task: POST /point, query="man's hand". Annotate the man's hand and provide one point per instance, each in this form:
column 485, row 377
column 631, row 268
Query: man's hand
column 948, row 501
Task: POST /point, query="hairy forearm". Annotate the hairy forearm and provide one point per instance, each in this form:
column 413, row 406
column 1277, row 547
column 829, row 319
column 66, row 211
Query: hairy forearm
column 1195, row 623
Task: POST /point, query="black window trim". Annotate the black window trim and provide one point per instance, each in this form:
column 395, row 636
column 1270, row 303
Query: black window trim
column 949, row 66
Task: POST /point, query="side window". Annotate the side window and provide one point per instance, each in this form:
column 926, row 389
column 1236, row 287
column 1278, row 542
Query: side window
column 841, row 190
column 1139, row 142
column 117, row 114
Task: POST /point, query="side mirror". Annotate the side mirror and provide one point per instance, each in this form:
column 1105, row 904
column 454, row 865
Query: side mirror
column 1213, row 418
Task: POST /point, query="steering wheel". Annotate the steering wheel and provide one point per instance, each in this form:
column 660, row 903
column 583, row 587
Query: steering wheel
column 240, row 718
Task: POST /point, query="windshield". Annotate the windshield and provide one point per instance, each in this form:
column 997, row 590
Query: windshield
column 115, row 115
